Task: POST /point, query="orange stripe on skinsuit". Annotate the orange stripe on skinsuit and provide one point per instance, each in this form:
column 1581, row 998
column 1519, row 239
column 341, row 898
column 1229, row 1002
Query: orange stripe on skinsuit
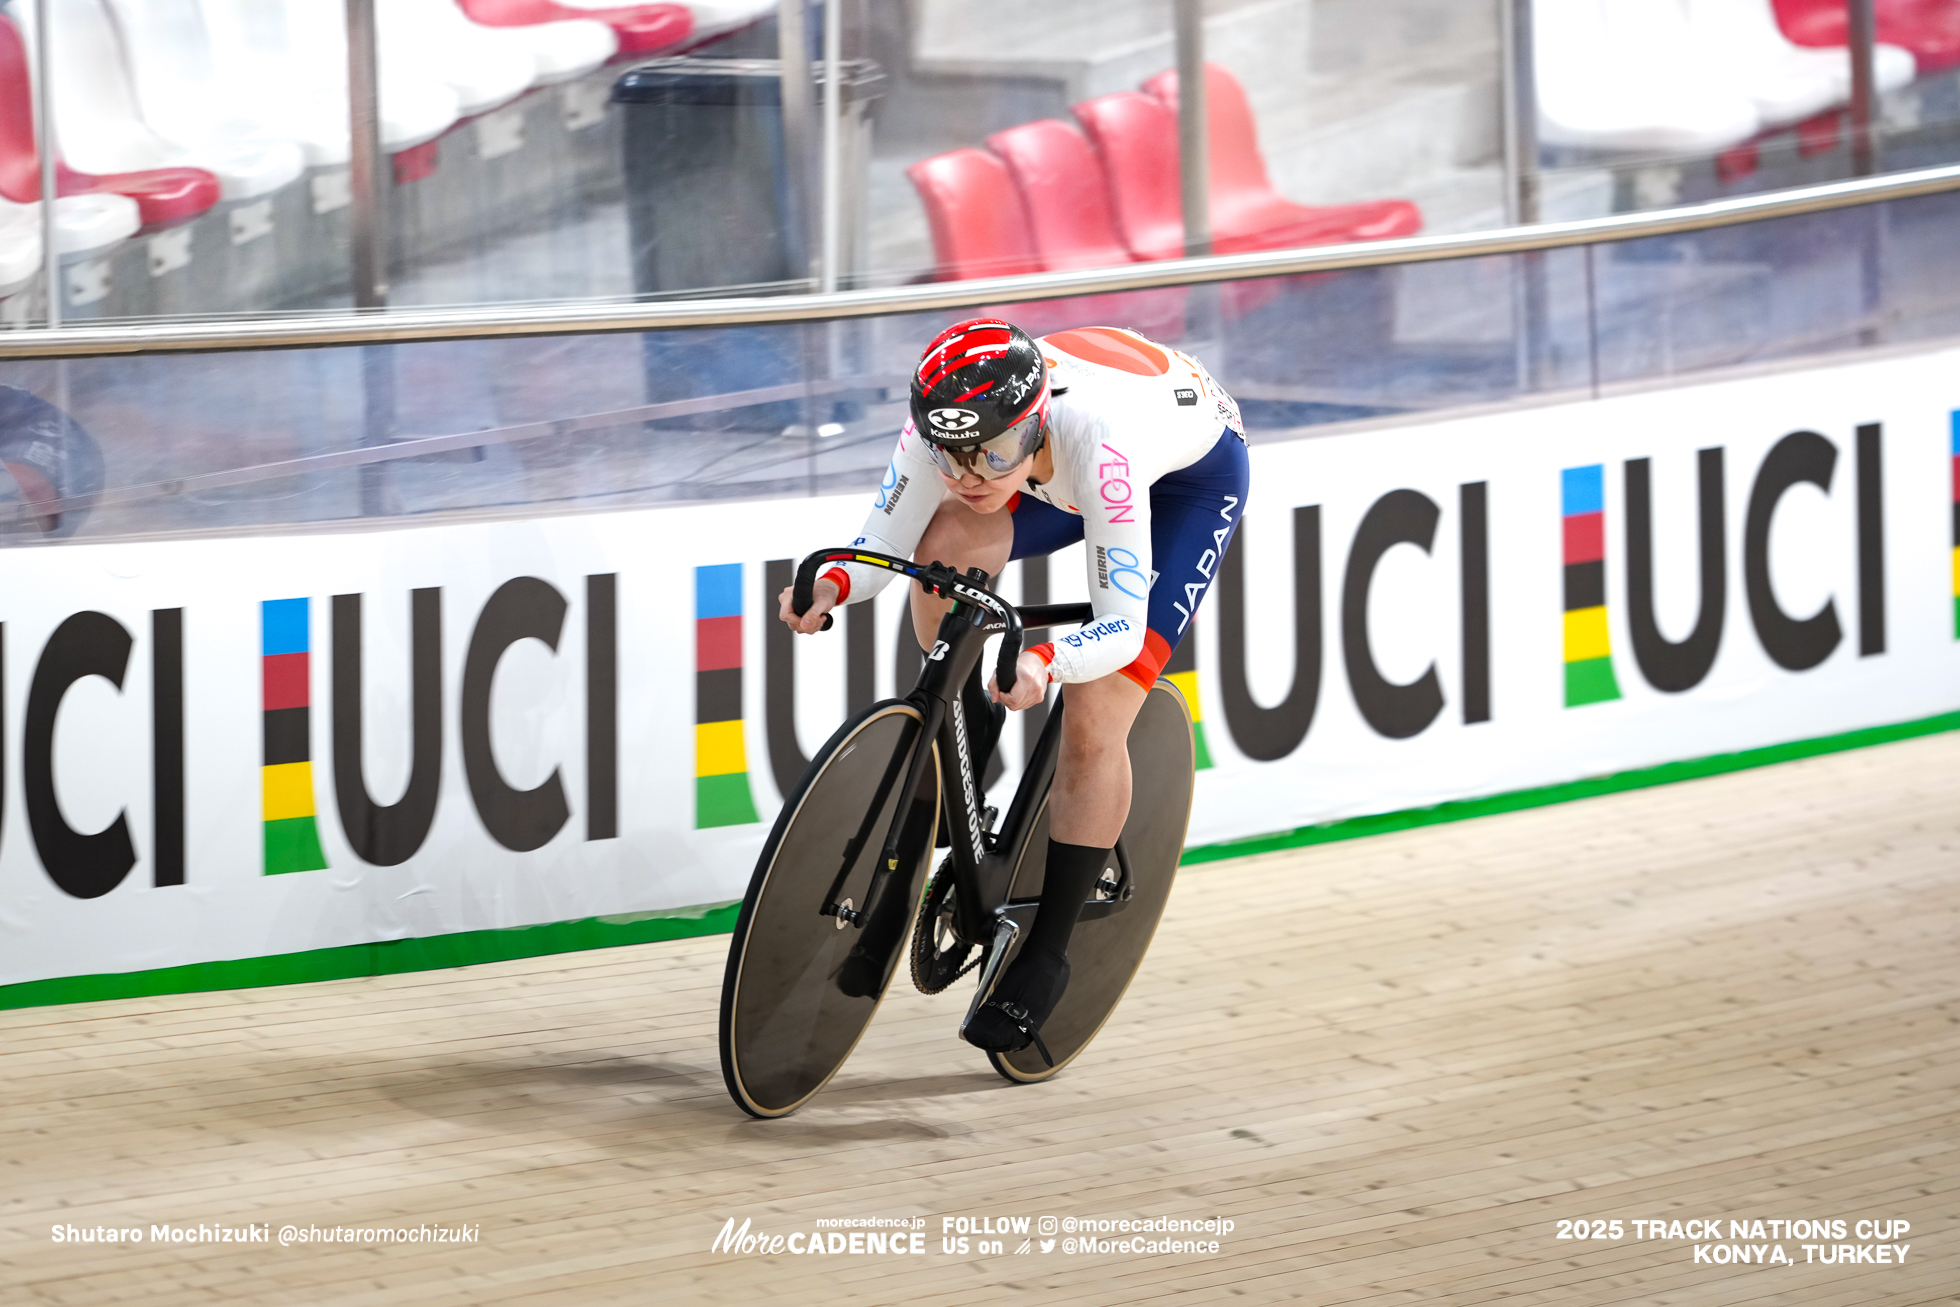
column 1146, row 667
column 1112, row 348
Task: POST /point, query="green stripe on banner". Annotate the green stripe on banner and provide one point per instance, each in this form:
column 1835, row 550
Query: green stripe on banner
column 1590, row 680
column 1665, row 774
column 391, row 957
column 475, row 947
column 293, row 844
column 723, row 801
column 1203, row 753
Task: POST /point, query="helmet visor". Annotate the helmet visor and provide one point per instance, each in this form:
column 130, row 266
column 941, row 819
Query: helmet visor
column 990, row 459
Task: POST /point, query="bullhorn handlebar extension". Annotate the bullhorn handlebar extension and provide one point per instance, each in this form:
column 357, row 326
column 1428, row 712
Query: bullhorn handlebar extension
column 935, row 578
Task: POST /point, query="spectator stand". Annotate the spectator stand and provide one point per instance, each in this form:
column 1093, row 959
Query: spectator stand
column 224, row 123
column 96, row 214
column 1048, row 196
column 1685, row 100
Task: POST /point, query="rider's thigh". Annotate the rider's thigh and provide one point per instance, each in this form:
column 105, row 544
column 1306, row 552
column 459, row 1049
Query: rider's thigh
column 960, row 538
column 1099, row 715
column 1090, row 800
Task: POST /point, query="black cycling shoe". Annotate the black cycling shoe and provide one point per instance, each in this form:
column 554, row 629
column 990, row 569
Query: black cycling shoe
column 1011, row 1018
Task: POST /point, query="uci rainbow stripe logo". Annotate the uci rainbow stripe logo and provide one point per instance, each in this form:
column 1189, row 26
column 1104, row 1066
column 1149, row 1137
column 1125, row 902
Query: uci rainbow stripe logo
column 292, row 835
column 1588, row 645
column 721, row 769
column 1954, row 419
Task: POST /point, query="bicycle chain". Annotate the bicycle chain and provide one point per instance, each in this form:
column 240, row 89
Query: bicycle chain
column 923, row 930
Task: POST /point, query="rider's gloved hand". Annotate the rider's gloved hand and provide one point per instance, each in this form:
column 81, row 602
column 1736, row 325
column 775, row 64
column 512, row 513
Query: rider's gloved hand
column 811, row 622
column 1030, row 684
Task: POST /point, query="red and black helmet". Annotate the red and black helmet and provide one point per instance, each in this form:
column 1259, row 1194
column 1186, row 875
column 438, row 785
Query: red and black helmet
column 980, row 398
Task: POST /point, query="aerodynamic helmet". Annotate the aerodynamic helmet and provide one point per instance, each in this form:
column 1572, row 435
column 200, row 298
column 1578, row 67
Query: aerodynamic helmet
column 980, row 398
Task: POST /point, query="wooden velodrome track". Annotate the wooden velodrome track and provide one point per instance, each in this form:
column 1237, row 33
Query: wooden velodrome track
column 1394, row 1063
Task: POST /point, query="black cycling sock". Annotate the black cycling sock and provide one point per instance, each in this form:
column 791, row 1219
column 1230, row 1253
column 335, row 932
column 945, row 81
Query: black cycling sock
column 1072, row 873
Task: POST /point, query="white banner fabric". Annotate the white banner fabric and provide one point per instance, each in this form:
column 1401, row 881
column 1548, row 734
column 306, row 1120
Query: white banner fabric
column 524, row 722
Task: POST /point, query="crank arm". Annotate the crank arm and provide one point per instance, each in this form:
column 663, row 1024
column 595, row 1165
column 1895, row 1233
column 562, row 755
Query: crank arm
column 1006, row 928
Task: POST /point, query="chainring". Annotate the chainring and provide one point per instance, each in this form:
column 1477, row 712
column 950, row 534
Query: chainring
column 938, row 956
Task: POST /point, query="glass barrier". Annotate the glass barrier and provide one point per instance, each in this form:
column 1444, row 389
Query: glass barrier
column 643, row 152
column 176, row 443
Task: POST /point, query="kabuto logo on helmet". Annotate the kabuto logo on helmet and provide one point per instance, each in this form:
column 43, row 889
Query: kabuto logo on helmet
column 953, row 419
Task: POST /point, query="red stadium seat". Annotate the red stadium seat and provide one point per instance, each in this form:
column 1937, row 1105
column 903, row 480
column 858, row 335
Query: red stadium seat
column 164, row 196
column 1066, row 196
column 1247, row 213
column 1928, row 28
column 980, row 228
column 642, row 29
column 1137, row 139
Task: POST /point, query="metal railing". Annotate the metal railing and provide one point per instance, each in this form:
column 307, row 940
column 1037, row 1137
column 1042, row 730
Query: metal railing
column 479, row 322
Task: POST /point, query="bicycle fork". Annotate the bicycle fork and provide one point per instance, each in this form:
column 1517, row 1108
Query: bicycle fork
column 921, row 756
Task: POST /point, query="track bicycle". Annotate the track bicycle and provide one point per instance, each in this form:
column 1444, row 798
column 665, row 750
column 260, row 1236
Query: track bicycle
column 837, row 889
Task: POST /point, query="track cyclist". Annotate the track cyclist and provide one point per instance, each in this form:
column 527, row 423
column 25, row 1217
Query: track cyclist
column 1093, row 433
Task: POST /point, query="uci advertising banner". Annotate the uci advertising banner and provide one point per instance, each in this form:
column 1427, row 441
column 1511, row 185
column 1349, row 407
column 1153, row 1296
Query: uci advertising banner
column 252, row 748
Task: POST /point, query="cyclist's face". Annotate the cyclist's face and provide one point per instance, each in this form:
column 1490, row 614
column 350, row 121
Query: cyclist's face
column 989, row 496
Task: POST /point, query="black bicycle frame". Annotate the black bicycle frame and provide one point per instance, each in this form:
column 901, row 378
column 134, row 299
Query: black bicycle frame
column 983, row 862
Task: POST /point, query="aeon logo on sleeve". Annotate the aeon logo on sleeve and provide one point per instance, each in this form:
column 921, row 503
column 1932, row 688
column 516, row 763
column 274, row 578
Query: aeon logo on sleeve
column 1113, row 486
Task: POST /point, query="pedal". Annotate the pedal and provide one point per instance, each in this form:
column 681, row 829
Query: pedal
column 1005, row 929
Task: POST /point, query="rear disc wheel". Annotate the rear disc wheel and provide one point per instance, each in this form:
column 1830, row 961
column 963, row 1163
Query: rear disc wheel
column 1107, row 946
